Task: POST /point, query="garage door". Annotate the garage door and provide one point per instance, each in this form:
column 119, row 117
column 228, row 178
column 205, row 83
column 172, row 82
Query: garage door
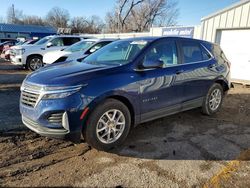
column 236, row 46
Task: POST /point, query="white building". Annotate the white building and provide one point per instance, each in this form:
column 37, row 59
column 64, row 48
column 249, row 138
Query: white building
column 230, row 27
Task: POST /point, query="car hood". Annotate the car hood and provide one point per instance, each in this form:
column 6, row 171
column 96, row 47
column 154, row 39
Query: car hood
column 66, row 74
column 28, row 47
column 51, row 57
column 76, row 55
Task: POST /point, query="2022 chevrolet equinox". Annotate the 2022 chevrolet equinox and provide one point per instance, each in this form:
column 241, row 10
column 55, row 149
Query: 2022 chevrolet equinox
column 126, row 83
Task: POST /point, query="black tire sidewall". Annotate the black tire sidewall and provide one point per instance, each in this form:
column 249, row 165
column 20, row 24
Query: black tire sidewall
column 206, row 107
column 29, row 60
column 89, row 131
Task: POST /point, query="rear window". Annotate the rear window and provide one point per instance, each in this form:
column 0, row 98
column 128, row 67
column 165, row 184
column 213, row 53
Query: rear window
column 194, row 52
column 219, row 54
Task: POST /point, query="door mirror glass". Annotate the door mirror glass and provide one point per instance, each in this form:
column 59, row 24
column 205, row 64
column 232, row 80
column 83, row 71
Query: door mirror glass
column 149, row 64
column 49, row 44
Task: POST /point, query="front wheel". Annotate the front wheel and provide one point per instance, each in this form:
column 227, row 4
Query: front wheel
column 34, row 63
column 108, row 125
column 213, row 100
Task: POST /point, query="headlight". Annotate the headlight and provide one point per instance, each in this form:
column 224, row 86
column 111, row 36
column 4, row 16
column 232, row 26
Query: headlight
column 20, row 51
column 60, row 92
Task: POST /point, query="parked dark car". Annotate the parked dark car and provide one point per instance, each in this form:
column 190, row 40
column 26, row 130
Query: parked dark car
column 125, row 83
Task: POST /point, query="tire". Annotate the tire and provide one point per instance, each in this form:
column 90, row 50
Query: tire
column 213, row 100
column 34, row 62
column 98, row 125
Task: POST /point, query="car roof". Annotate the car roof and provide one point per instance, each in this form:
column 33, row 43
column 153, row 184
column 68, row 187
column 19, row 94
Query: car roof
column 100, row 39
column 153, row 38
column 66, row 36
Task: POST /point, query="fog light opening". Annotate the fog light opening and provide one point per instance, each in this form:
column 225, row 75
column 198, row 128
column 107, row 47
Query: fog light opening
column 65, row 121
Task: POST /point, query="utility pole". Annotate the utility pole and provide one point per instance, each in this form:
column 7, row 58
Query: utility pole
column 13, row 16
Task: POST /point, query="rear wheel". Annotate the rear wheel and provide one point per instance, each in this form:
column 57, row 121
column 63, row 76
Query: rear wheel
column 34, row 63
column 108, row 125
column 213, row 100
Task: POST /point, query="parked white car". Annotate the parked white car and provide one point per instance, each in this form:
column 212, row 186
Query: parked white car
column 77, row 51
column 31, row 56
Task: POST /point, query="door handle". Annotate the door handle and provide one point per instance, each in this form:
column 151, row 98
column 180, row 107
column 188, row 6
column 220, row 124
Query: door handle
column 179, row 71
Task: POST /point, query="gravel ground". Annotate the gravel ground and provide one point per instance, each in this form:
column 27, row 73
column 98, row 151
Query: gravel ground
column 182, row 150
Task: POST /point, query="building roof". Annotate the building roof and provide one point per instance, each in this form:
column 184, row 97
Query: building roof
column 235, row 5
column 26, row 28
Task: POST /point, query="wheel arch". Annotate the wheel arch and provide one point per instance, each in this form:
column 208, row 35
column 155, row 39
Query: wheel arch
column 223, row 83
column 31, row 55
column 126, row 102
column 121, row 98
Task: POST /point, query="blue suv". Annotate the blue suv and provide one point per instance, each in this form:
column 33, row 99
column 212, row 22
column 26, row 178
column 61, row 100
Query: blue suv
column 126, row 83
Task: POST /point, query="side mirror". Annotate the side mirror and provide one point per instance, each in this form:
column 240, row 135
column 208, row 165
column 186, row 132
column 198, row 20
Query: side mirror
column 148, row 64
column 49, row 44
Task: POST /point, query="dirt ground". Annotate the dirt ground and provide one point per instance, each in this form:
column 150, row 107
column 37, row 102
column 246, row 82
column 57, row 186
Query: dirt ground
column 182, row 150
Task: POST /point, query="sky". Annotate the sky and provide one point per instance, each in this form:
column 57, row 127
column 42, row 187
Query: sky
column 191, row 11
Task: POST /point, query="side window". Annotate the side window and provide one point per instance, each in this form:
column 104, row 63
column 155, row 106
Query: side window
column 165, row 51
column 68, row 41
column 192, row 52
column 97, row 47
column 205, row 54
column 57, row 42
column 219, row 54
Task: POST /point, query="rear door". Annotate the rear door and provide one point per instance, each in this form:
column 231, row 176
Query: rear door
column 196, row 72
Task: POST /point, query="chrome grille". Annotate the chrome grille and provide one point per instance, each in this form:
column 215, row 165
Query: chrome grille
column 28, row 98
column 55, row 118
column 31, row 87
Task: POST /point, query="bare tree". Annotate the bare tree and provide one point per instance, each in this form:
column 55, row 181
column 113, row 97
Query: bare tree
column 87, row 25
column 141, row 15
column 58, row 17
column 154, row 12
column 2, row 20
column 78, row 24
column 14, row 16
column 117, row 19
column 33, row 20
column 96, row 24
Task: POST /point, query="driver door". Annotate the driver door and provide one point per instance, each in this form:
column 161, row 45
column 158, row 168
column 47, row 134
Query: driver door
column 159, row 93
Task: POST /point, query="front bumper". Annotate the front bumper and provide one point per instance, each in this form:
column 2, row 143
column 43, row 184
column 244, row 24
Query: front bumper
column 44, row 131
column 37, row 118
column 17, row 60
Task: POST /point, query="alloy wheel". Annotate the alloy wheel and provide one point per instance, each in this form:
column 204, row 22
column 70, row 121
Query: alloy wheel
column 215, row 99
column 110, row 126
column 36, row 63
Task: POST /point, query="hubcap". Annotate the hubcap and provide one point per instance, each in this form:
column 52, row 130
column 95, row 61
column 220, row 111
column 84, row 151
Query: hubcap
column 215, row 99
column 110, row 126
column 36, row 63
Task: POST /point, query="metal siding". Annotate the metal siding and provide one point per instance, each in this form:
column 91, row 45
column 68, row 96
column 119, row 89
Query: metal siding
column 223, row 20
column 245, row 15
column 237, row 16
column 216, row 25
column 248, row 18
column 230, row 17
column 205, row 30
column 209, row 30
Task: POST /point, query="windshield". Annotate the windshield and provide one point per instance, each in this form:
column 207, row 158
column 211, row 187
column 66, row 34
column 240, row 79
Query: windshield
column 79, row 46
column 42, row 41
column 19, row 43
column 117, row 53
